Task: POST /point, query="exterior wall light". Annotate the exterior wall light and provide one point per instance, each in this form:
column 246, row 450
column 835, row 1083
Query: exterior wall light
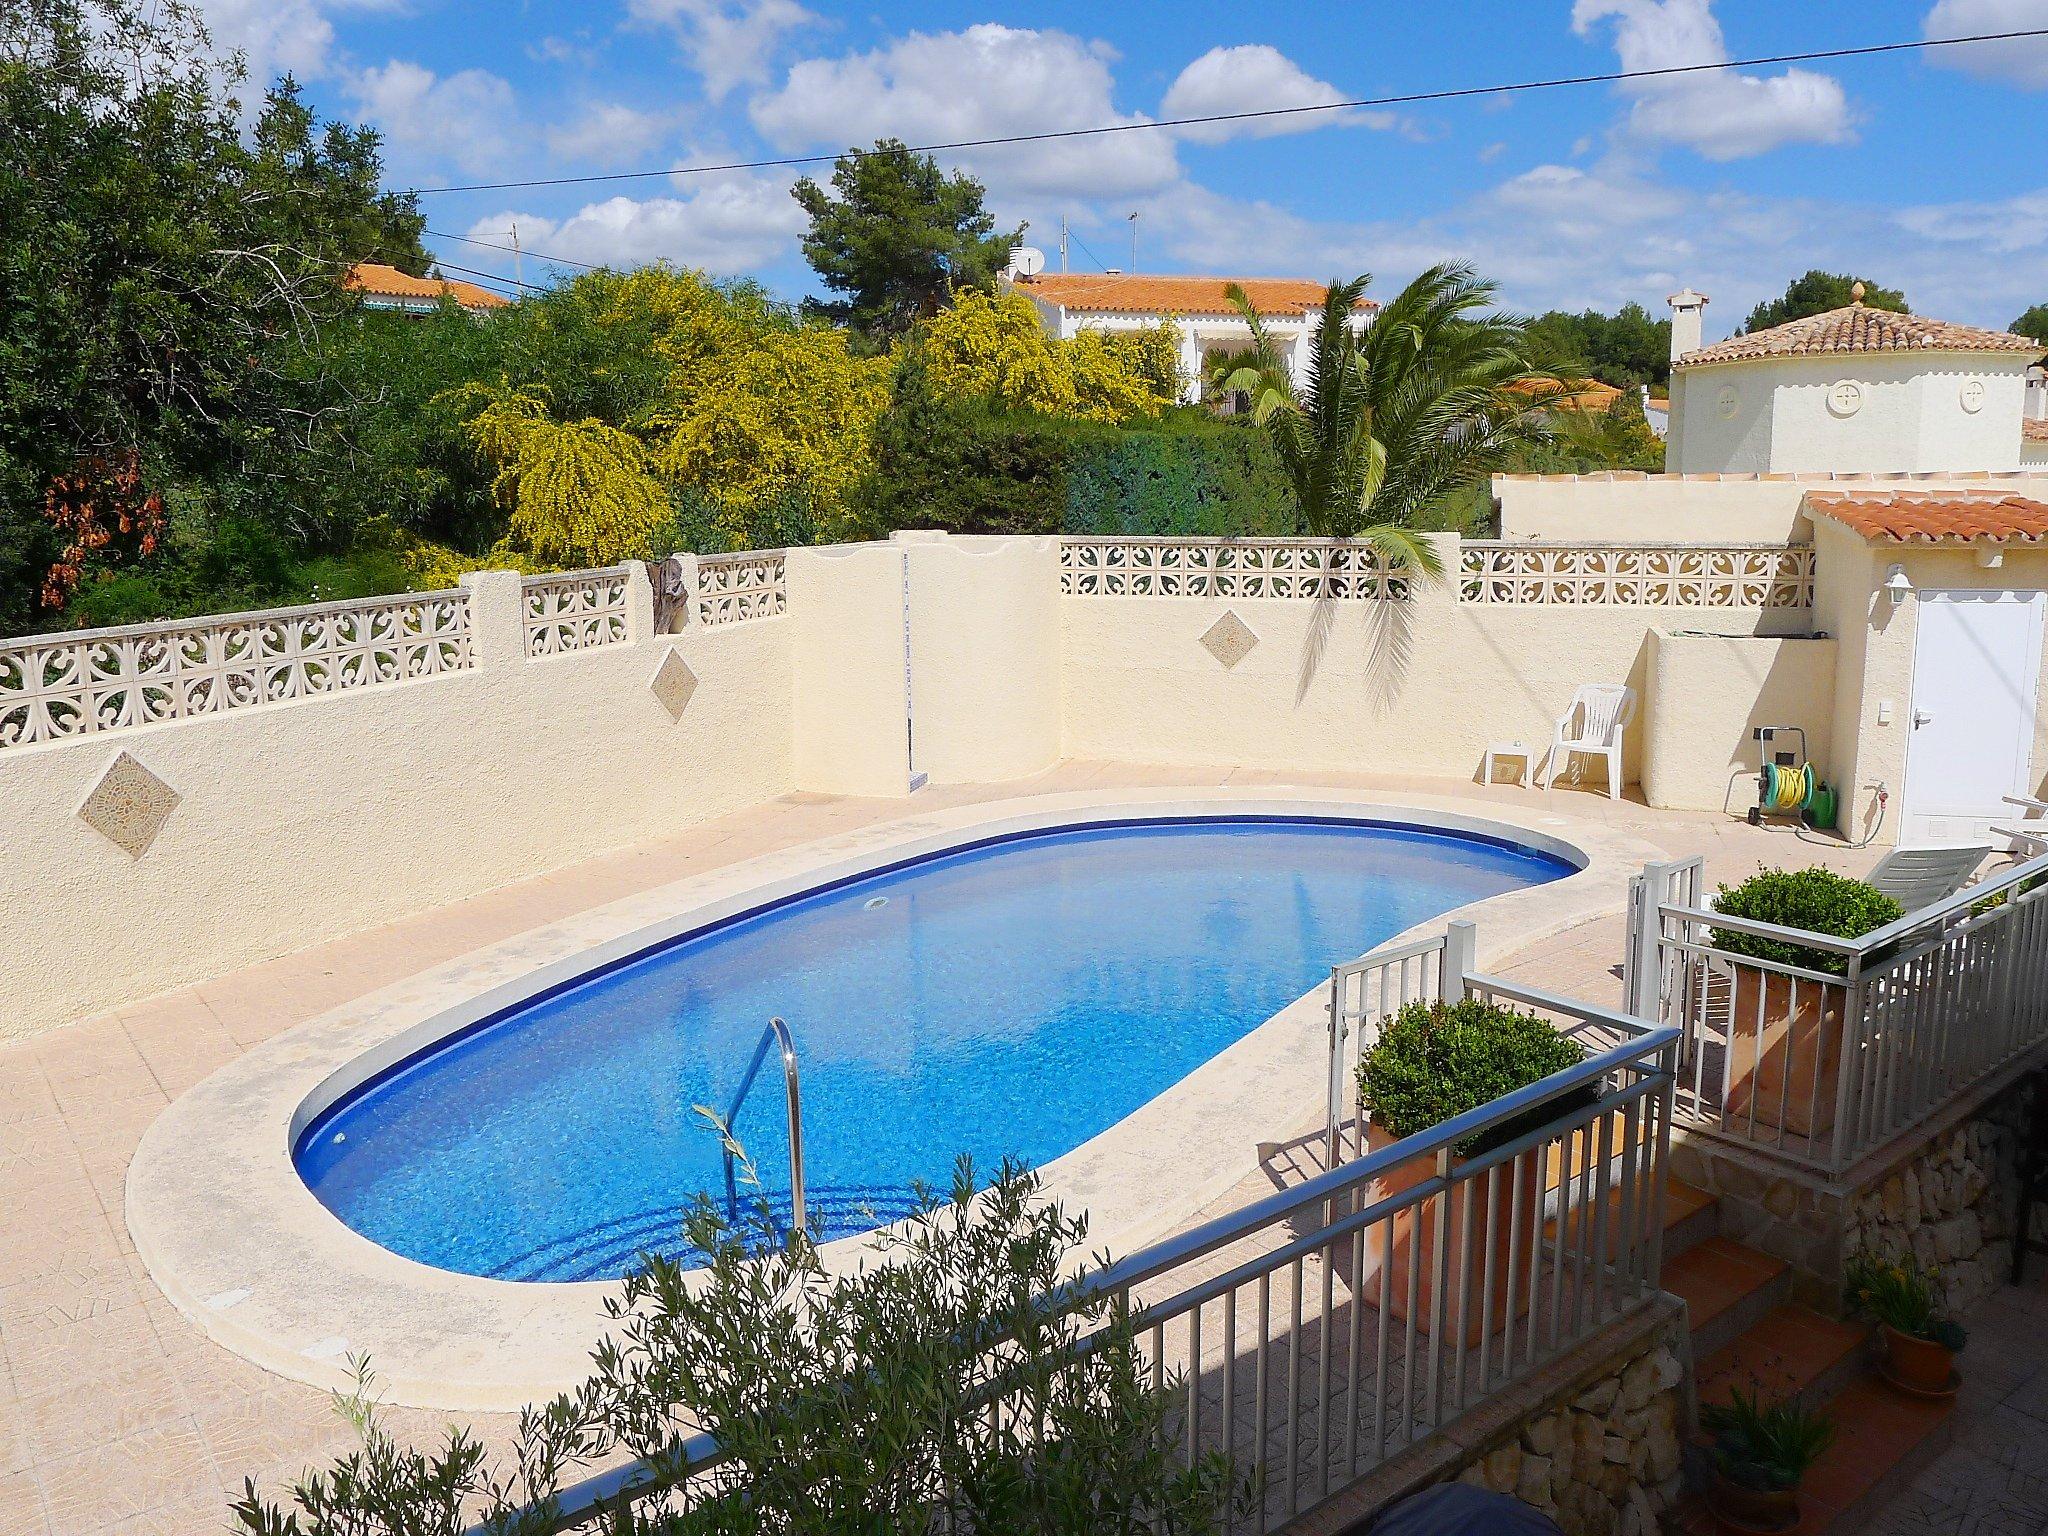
column 1896, row 586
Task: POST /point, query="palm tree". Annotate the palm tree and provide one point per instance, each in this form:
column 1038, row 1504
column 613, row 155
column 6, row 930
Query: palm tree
column 1392, row 418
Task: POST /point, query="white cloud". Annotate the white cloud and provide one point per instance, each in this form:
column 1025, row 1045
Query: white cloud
column 275, row 37
column 608, row 132
column 726, row 225
column 2022, row 61
column 1720, row 114
column 467, row 120
column 984, row 82
column 728, row 42
column 1250, row 77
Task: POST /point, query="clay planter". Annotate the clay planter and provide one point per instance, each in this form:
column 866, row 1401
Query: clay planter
column 1918, row 1365
column 1751, row 1511
column 1784, row 1063
column 1406, row 1245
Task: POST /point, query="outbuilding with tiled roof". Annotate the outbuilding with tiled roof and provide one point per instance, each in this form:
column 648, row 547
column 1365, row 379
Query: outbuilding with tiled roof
column 1855, row 390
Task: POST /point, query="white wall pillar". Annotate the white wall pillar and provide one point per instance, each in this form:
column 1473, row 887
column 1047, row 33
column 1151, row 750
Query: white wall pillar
column 497, row 618
column 639, row 604
column 1190, row 367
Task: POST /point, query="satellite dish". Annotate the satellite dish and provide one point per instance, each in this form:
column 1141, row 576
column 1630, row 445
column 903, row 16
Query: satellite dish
column 1026, row 261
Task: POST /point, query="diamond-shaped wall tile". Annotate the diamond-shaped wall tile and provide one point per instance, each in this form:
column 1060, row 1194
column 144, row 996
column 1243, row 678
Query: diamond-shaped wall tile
column 1229, row 640
column 673, row 684
column 129, row 805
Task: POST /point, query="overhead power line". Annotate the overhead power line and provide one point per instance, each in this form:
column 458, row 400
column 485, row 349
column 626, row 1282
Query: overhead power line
column 1404, row 99
column 517, row 250
column 509, row 282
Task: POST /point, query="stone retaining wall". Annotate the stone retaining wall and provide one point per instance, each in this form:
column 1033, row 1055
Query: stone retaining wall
column 1951, row 1208
column 1950, row 1205
column 1607, row 1461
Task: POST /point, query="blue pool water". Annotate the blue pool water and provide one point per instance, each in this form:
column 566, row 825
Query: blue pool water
column 1012, row 999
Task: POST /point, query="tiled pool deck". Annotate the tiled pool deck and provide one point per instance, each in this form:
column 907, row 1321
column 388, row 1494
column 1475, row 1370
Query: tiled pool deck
column 116, row 1415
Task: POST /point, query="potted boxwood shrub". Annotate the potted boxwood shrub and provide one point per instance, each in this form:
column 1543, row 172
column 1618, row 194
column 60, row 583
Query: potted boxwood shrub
column 1920, row 1342
column 1760, row 1453
column 1433, row 1061
column 1785, row 1033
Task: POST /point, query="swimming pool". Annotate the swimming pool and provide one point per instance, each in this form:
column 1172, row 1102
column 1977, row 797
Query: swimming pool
column 1013, row 998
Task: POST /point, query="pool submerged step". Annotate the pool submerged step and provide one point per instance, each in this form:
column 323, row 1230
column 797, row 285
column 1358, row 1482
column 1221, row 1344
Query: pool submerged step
column 609, row 1250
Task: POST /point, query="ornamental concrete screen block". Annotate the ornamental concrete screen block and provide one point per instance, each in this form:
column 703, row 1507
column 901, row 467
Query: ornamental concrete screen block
column 1229, row 640
column 673, row 684
column 129, row 805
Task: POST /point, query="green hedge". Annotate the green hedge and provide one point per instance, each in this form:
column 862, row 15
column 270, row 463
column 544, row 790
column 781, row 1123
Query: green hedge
column 1434, row 1061
column 968, row 467
column 1816, row 900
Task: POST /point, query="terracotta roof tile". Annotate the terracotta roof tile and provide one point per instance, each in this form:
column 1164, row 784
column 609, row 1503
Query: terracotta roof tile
column 1928, row 517
column 1858, row 328
column 375, row 277
column 1139, row 293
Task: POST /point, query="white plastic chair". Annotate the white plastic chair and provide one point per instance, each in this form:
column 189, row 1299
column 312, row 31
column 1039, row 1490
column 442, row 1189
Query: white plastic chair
column 1594, row 724
column 2028, row 836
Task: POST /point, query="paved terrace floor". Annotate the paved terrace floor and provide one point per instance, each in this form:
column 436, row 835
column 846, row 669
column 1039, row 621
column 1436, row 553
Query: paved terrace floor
column 116, row 1415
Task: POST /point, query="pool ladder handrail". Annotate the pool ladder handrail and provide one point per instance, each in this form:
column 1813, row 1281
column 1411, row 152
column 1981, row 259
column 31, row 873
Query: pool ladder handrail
column 776, row 1032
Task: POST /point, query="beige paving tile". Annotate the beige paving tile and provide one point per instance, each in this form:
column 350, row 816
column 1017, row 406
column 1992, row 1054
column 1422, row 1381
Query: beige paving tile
column 21, row 1504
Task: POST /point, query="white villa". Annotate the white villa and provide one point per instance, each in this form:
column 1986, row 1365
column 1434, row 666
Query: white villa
column 1071, row 302
column 265, row 867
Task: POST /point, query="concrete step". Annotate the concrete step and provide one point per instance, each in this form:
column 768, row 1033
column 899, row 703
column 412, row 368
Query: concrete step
column 1727, row 1289
column 1883, row 1440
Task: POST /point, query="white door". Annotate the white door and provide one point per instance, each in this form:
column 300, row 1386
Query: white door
column 1976, row 664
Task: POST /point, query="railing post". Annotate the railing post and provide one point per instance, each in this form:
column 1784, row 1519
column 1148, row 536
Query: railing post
column 1643, row 965
column 1846, row 1062
column 1461, row 959
column 1335, row 1127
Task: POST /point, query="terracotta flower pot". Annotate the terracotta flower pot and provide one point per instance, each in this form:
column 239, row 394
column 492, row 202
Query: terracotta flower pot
column 1918, row 1365
column 1405, row 1247
column 1784, row 1052
column 1751, row 1511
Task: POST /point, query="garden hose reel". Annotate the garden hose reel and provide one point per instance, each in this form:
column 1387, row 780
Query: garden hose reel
column 1788, row 787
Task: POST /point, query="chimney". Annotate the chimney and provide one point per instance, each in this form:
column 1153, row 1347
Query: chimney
column 1687, row 316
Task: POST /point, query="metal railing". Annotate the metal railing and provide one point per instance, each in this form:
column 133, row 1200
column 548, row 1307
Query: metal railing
column 776, row 1033
column 1821, row 1064
column 1320, row 1331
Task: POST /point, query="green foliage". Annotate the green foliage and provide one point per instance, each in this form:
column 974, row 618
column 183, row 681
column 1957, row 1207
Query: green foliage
column 1624, row 349
column 1191, row 476
column 897, row 235
column 2034, row 323
column 1765, row 1446
column 843, row 1404
column 994, row 347
column 1899, row 1296
column 159, row 276
column 580, row 493
column 1816, row 293
column 969, row 465
column 1435, row 1061
column 1816, row 900
column 1396, row 423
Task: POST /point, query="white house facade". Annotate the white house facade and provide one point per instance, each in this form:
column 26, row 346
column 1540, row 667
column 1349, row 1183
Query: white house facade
column 1209, row 323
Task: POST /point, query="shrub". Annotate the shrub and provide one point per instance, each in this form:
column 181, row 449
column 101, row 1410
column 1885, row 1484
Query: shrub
column 1901, row 1297
column 854, row 1403
column 1433, row 1061
column 1190, row 477
column 1816, row 900
column 1765, row 1446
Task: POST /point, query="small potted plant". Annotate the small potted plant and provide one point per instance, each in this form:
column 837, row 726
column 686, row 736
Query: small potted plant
column 1432, row 1062
column 1785, row 1032
column 1760, row 1453
column 1920, row 1342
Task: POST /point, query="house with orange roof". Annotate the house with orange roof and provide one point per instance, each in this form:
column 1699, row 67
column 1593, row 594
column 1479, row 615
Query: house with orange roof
column 1198, row 304
column 385, row 287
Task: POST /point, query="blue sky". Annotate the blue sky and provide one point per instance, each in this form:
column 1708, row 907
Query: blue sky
column 1923, row 170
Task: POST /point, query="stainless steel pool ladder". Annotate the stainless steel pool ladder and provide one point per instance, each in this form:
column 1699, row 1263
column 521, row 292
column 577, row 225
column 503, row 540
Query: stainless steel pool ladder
column 776, row 1033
